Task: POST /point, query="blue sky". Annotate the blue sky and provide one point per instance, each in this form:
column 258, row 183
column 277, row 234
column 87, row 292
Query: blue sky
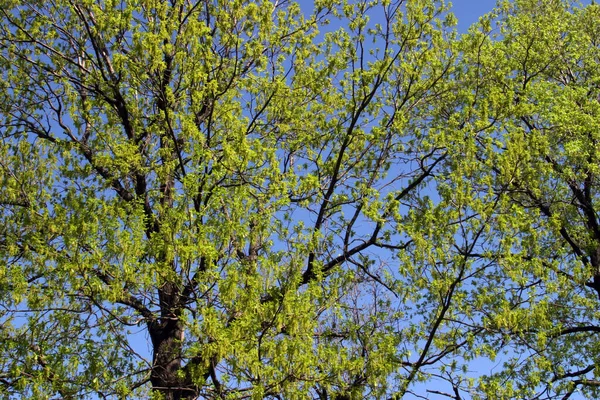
column 469, row 11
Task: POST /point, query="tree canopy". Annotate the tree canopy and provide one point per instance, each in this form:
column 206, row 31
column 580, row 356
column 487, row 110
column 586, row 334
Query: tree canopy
column 265, row 200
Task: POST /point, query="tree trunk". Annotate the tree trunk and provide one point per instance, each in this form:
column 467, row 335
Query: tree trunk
column 167, row 341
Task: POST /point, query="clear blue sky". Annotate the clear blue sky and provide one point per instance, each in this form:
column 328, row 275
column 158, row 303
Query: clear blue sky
column 469, row 11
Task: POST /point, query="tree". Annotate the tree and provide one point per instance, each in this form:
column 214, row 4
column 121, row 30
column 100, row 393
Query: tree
column 334, row 204
column 230, row 177
column 529, row 168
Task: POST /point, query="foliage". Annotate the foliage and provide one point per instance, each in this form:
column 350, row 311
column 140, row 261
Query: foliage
column 234, row 199
column 534, row 92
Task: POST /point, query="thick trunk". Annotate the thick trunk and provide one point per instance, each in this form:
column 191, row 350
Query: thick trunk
column 166, row 334
column 166, row 363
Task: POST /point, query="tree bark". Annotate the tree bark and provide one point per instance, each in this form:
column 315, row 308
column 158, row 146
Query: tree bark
column 167, row 336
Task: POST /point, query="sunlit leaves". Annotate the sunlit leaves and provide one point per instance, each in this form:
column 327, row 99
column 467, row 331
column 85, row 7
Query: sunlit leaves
column 345, row 201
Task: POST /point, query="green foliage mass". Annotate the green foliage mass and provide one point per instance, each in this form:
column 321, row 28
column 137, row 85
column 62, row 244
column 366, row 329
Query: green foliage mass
column 235, row 199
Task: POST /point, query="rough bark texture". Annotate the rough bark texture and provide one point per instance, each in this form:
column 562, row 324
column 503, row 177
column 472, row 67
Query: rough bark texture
column 167, row 335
